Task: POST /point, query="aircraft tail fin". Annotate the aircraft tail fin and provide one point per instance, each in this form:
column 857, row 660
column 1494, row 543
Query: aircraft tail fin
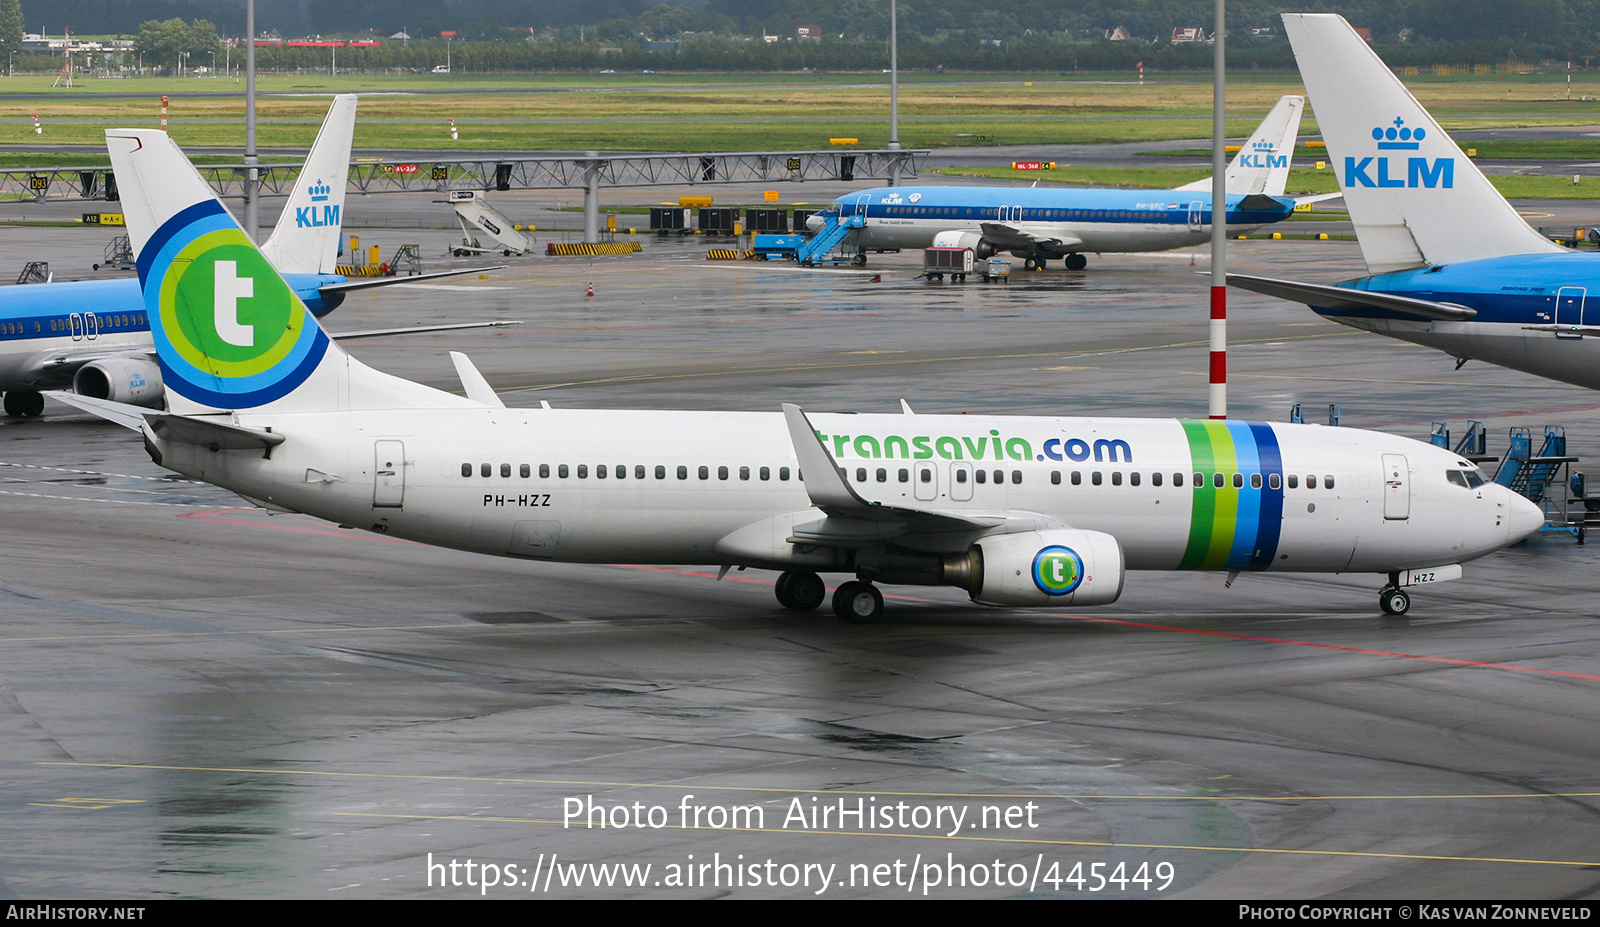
column 1413, row 197
column 306, row 238
column 230, row 334
column 1262, row 164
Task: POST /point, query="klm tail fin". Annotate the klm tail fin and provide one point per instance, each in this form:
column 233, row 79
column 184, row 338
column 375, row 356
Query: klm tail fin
column 1413, row 197
column 306, row 238
column 230, row 335
column 1262, row 165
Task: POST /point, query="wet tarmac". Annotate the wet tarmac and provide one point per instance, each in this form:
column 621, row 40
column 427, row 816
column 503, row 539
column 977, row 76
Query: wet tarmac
column 202, row 700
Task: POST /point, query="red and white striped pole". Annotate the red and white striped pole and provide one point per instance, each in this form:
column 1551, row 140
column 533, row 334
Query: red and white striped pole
column 163, row 112
column 37, row 129
column 1219, row 224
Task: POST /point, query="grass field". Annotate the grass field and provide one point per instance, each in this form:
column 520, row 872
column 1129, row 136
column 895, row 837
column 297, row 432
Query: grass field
column 726, row 112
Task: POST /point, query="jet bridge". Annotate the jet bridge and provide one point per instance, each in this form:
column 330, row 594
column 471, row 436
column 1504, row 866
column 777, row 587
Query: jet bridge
column 588, row 171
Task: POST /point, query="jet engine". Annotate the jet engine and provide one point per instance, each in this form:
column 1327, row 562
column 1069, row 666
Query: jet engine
column 1051, row 568
column 981, row 250
column 121, row 379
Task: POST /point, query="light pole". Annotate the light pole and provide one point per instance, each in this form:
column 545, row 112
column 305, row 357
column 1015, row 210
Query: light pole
column 251, row 173
column 894, row 94
column 1219, row 222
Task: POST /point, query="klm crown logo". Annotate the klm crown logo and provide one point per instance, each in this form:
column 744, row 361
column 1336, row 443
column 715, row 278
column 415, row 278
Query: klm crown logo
column 1262, row 146
column 1398, row 137
column 309, row 217
column 1410, row 173
column 320, row 191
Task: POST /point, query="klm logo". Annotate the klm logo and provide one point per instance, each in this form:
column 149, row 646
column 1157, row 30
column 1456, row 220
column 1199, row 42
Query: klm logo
column 310, row 217
column 1263, row 154
column 1386, row 171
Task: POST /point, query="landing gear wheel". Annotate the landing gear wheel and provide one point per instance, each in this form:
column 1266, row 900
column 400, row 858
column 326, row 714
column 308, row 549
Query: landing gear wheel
column 24, row 403
column 1077, row 262
column 857, row 602
column 1030, row 264
column 860, row 260
column 460, row 252
column 800, row 590
column 1394, row 601
column 506, row 252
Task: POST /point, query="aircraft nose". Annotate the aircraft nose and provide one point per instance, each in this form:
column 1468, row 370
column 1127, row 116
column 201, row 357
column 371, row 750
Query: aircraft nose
column 813, row 223
column 1526, row 517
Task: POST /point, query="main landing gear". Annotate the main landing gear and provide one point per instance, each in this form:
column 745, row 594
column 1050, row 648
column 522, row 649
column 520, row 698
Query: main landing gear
column 24, row 403
column 1077, row 261
column 855, row 601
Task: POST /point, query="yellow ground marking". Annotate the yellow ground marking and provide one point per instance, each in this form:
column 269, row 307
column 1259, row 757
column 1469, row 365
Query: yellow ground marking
column 87, row 804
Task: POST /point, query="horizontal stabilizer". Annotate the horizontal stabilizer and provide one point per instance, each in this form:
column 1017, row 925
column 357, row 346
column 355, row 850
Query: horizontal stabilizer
column 1320, row 296
column 415, row 330
column 119, row 413
column 210, row 434
column 367, row 283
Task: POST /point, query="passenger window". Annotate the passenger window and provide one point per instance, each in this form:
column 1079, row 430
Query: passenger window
column 599, row 472
column 766, row 473
column 1077, row 478
column 925, row 475
column 905, row 475
column 982, row 476
column 883, row 475
column 1294, row 481
column 999, row 476
column 1177, row 479
column 661, row 472
column 1155, row 478
column 622, row 471
column 562, row 471
column 1311, row 481
column 1238, row 481
column 1327, row 482
column 1116, row 477
column 683, row 473
column 466, row 469
column 544, row 471
column 638, row 472
column 1133, row 478
column 486, row 469
column 1218, row 480
column 1095, row 477
column 722, row 473
column 705, row 473
column 961, row 476
column 1055, row 477
column 744, row 473
column 1016, row 476
column 524, row 471
column 861, row 474
column 1255, row 481
column 783, row 473
column 505, row 470
column 1199, row 480
column 1275, row 481
column 583, row 471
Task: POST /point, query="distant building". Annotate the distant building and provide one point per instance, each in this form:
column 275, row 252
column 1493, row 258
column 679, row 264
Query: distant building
column 814, row 33
column 669, row 46
column 1365, row 33
column 401, row 36
column 1184, row 34
column 1119, row 34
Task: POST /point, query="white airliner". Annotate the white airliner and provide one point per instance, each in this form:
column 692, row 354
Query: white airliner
column 1036, row 511
column 95, row 335
column 1041, row 224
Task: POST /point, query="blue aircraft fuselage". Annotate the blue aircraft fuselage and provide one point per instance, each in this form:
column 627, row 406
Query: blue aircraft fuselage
column 1532, row 312
column 1051, row 221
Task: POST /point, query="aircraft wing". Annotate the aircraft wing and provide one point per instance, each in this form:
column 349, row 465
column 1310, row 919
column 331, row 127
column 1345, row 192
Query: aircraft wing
column 1321, row 296
column 367, row 283
column 1318, row 198
column 1006, row 237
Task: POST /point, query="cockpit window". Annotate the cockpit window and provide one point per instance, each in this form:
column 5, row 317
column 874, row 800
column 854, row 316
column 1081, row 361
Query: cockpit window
column 1466, row 479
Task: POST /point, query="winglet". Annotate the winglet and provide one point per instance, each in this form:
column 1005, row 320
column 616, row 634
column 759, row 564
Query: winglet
column 478, row 389
column 825, row 482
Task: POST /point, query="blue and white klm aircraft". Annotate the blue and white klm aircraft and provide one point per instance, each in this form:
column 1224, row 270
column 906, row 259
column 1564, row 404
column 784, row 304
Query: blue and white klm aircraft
column 1041, row 224
column 1025, row 512
column 1454, row 266
column 94, row 335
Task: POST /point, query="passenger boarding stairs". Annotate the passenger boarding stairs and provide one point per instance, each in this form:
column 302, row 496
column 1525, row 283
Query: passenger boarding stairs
column 1531, row 474
column 832, row 235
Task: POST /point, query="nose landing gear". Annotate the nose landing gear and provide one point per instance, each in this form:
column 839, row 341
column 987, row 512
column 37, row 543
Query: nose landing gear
column 1394, row 600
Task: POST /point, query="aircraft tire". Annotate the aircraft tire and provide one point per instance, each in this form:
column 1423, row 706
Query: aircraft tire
column 1394, row 601
column 806, row 591
column 860, row 260
column 1077, row 262
column 856, row 602
column 24, row 403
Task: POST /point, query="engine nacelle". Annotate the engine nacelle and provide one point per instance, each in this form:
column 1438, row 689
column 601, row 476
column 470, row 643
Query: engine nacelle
column 981, row 250
column 121, row 379
column 1052, row 568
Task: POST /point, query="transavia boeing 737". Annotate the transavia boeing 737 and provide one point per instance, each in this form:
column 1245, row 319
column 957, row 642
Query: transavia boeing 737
column 1042, row 224
column 1027, row 512
column 94, row 335
column 1454, row 266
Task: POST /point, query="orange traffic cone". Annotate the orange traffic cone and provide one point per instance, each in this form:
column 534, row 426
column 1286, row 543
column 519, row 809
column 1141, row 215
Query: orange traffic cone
column 591, row 288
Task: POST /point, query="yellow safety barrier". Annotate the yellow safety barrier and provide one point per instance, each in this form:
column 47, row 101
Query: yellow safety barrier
column 844, row 141
column 364, row 270
column 694, row 201
column 724, row 254
column 553, row 249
